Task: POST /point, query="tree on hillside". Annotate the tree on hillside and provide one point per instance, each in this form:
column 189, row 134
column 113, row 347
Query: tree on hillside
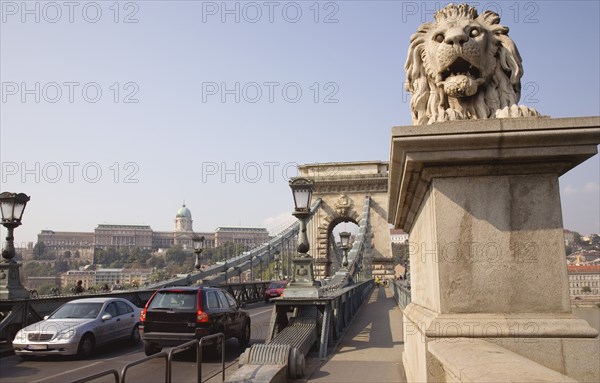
column 586, row 289
column 61, row 266
column 38, row 250
column 157, row 262
column 177, row 255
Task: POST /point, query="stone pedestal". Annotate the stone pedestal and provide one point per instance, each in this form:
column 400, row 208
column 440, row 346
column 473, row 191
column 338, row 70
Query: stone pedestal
column 301, row 285
column 10, row 285
column 481, row 202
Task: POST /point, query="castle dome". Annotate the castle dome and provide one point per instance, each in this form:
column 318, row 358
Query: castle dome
column 184, row 212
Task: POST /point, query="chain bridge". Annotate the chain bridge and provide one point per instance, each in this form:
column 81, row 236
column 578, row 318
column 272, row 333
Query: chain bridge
column 342, row 192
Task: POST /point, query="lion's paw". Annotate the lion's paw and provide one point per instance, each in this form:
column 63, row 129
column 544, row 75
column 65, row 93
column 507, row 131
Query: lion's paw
column 447, row 115
column 517, row 111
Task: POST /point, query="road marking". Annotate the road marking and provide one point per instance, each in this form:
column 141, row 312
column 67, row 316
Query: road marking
column 66, row 372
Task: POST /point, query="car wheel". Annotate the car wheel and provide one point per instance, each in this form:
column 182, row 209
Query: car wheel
column 151, row 348
column 86, row 346
column 244, row 338
column 135, row 335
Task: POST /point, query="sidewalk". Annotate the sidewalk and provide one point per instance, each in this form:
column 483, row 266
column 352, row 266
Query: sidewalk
column 371, row 349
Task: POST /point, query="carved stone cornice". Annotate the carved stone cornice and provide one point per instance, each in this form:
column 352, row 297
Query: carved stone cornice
column 350, row 185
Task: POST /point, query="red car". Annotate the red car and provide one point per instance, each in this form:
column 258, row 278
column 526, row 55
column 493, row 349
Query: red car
column 274, row 290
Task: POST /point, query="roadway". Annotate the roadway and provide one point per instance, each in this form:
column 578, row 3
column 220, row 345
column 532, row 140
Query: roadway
column 66, row 369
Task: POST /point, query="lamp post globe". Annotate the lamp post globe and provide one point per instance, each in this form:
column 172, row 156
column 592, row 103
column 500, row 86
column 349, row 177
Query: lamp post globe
column 302, row 189
column 198, row 242
column 12, row 206
column 345, row 240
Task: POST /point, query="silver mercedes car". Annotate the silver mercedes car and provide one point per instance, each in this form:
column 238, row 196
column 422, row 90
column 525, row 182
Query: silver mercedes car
column 78, row 326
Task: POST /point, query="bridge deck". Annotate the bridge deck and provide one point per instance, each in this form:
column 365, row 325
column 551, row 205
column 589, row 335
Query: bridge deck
column 371, row 349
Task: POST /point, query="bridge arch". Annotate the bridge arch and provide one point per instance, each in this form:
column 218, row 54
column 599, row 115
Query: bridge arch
column 342, row 188
column 334, row 255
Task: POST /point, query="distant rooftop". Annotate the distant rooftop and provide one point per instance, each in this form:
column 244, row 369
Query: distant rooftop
column 131, row 227
column 238, row 229
column 583, row 269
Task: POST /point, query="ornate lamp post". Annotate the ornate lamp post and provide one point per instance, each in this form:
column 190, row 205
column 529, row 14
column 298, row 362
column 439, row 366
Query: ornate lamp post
column 301, row 285
column 12, row 206
column 198, row 247
column 345, row 239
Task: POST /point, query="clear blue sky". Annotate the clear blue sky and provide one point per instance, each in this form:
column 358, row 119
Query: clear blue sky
column 167, row 127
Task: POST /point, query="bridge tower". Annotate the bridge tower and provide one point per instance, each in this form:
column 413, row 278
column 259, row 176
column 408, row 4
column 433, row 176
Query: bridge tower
column 342, row 187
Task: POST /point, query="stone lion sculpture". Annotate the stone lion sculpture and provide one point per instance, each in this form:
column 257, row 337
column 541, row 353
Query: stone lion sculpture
column 464, row 66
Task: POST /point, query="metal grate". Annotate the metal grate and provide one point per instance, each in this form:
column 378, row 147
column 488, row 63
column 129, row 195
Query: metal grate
column 39, row 337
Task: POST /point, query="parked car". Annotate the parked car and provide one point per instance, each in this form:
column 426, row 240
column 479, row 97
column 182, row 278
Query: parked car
column 274, row 290
column 175, row 315
column 78, row 326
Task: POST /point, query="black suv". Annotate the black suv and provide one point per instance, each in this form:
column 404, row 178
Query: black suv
column 175, row 315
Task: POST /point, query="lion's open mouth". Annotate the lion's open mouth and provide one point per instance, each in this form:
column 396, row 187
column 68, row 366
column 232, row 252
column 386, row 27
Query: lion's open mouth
column 460, row 79
column 461, row 67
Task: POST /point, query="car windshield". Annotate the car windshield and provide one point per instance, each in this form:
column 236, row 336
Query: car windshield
column 277, row 285
column 76, row 310
column 174, row 300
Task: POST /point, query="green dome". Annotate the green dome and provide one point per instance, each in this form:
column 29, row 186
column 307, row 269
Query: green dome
column 184, row 212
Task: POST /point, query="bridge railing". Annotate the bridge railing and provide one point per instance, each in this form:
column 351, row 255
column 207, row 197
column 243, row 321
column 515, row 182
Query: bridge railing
column 401, row 294
column 332, row 313
column 168, row 357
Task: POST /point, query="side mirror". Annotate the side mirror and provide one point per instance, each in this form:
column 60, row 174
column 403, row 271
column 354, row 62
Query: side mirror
column 106, row 317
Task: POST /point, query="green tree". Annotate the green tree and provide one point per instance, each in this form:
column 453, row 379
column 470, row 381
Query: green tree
column 61, row 266
column 586, row 289
column 177, row 255
column 46, row 289
column 38, row 269
column 157, row 262
column 39, row 250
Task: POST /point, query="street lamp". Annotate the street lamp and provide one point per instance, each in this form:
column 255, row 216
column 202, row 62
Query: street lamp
column 302, row 192
column 198, row 246
column 345, row 239
column 301, row 284
column 12, row 206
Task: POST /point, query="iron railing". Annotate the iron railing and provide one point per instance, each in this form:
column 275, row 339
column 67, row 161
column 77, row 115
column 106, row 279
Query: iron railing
column 197, row 344
column 401, row 294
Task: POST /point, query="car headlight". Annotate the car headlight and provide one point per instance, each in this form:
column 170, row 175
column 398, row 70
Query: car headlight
column 20, row 337
column 65, row 335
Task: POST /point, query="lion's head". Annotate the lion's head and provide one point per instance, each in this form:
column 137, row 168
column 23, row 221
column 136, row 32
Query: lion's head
column 463, row 66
